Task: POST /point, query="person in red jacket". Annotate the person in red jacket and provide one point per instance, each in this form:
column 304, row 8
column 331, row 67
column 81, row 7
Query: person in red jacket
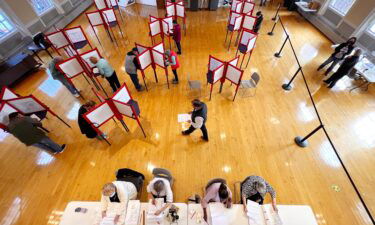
column 177, row 35
column 172, row 60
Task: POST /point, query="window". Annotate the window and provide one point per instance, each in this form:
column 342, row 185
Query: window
column 5, row 26
column 42, row 6
column 371, row 29
column 341, row 6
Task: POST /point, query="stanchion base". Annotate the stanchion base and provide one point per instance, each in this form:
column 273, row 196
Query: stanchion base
column 270, row 33
column 277, row 55
column 286, row 87
column 300, row 143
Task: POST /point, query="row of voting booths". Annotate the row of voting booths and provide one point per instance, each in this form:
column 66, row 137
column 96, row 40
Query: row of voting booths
column 105, row 17
column 26, row 105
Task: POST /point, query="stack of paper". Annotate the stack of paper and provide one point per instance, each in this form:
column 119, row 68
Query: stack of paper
column 108, row 221
column 183, row 118
column 132, row 212
column 262, row 215
column 219, row 214
column 151, row 217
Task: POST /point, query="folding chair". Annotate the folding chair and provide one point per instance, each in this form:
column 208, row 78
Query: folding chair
column 252, row 83
column 163, row 173
column 194, row 85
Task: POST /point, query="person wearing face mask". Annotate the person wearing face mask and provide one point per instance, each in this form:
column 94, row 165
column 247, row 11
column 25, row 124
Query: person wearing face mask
column 119, row 193
column 254, row 188
column 339, row 54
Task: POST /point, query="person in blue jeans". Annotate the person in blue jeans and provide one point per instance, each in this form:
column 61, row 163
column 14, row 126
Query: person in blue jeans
column 58, row 75
column 29, row 131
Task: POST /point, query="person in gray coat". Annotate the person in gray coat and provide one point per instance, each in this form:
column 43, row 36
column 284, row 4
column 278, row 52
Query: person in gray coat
column 131, row 66
column 58, row 75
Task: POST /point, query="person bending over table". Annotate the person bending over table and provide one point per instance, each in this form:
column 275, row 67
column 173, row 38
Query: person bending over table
column 216, row 191
column 117, row 192
column 160, row 188
column 106, row 71
column 254, row 188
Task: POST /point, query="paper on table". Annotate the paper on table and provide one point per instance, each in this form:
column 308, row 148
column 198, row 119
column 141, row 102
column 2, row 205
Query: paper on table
column 95, row 70
column 183, row 118
column 107, row 221
column 133, row 212
column 151, row 217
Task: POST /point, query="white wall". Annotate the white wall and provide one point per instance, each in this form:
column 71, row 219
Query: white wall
column 147, row 2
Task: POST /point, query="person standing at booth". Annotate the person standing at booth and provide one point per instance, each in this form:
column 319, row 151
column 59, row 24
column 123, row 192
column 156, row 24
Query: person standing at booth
column 57, row 75
column 85, row 126
column 172, row 60
column 254, row 188
column 30, row 132
column 177, row 36
column 198, row 119
column 106, row 71
column 258, row 22
column 131, row 67
column 339, row 54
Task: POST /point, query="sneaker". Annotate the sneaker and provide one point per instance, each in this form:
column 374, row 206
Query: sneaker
column 76, row 95
column 184, row 133
column 325, row 81
column 179, row 53
column 174, row 81
column 63, row 147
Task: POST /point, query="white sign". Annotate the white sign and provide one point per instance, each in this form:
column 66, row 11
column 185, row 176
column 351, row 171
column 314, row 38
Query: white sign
column 100, row 115
column 26, row 105
column 71, row 68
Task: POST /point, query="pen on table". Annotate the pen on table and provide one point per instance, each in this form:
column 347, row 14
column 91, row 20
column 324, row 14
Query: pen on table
column 193, row 215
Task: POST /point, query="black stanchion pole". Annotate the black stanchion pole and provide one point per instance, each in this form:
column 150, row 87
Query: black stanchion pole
column 277, row 12
column 287, row 86
column 273, row 28
column 302, row 142
column 278, row 54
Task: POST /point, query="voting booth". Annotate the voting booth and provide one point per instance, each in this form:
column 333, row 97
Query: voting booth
column 162, row 27
column 153, row 57
column 119, row 105
column 11, row 102
column 176, row 10
column 222, row 71
column 58, row 41
column 234, row 25
column 77, row 37
column 106, row 18
column 68, row 39
column 108, row 4
column 243, row 6
column 247, row 44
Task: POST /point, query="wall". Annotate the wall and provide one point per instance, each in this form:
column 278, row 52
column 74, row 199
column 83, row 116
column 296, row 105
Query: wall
column 339, row 28
column 146, row 2
column 29, row 23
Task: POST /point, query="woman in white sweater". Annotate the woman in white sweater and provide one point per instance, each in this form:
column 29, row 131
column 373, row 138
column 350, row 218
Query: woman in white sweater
column 119, row 193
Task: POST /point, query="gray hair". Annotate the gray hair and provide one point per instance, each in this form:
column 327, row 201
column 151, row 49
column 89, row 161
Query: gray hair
column 358, row 52
column 260, row 187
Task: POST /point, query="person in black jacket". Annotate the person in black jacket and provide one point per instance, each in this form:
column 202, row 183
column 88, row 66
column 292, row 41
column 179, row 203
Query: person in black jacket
column 339, row 54
column 131, row 67
column 346, row 66
column 198, row 119
column 85, row 126
column 258, row 22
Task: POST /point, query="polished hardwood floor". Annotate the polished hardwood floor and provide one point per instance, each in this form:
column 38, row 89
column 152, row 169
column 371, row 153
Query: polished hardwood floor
column 252, row 135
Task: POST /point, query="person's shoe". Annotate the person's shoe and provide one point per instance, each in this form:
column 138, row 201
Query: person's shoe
column 63, row 147
column 326, row 73
column 184, row 133
column 205, row 139
column 174, row 81
column 179, row 53
column 325, row 81
column 76, row 95
column 319, row 68
column 141, row 88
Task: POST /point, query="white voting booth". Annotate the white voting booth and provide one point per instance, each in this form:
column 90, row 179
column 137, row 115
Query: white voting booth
column 27, row 105
column 162, row 27
column 176, row 10
column 119, row 105
column 243, row 6
column 219, row 70
column 247, row 44
column 69, row 39
column 153, row 57
column 108, row 4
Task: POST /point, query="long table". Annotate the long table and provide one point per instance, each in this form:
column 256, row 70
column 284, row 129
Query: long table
column 191, row 214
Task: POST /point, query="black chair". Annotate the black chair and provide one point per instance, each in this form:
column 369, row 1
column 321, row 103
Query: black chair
column 131, row 176
column 40, row 43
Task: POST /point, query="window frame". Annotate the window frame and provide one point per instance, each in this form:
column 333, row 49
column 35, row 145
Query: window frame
column 45, row 11
column 368, row 29
column 337, row 11
column 11, row 23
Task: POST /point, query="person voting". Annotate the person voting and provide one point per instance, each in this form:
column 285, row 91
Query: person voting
column 115, row 197
column 106, row 71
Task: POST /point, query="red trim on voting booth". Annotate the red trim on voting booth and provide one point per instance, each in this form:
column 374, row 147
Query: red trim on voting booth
column 84, row 61
column 53, row 46
column 247, row 50
column 105, row 3
column 92, row 26
column 96, row 128
column 2, row 104
column 127, row 89
column 84, row 34
column 243, row 22
column 2, row 93
column 69, row 79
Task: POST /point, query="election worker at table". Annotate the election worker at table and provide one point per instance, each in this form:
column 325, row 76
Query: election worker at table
column 160, row 188
column 254, row 188
column 117, row 192
column 216, row 191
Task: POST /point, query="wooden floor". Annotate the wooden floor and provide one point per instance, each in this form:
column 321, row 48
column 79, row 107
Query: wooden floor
column 252, row 135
